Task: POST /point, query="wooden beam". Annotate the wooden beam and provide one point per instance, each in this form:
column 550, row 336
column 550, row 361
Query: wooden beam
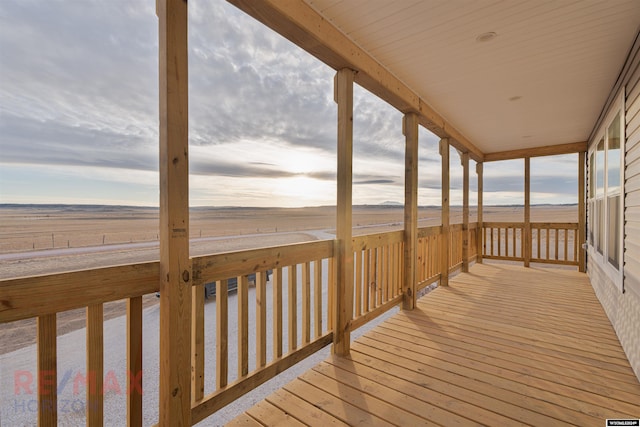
column 298, row 22
column 410, row 131
column 465, row 212
column 175, row 266
column 479, row 228
column 444, row 250
column 343, row 307
column 581, row 212
column 549, row 150
column 526, row 239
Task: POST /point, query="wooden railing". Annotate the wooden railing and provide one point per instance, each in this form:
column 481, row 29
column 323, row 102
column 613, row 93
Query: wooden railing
column 503, row 241
column 300, row 292
column 552, row 243
column 428, row 261
column 42, row 297
column 292, row 305
column 555, row 243
column 378, row 271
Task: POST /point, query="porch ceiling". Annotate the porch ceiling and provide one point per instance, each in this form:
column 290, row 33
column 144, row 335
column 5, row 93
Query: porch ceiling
column 543, row 80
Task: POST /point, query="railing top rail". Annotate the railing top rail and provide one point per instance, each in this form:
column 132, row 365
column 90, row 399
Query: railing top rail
column 34, row 296
column 376, row 240
column 209, row 268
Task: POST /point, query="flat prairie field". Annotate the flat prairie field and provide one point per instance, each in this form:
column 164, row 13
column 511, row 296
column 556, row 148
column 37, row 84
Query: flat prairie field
column 46, row 239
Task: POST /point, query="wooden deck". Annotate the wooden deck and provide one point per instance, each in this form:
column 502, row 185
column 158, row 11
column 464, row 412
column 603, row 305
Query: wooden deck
column 502, row 345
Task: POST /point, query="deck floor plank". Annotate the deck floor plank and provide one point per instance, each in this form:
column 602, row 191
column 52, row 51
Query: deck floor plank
column 558, row 363
column 502, row 345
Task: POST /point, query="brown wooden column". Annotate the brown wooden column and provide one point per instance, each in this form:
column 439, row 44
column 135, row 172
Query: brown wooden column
column 444, row 249
column 581, row 212
column 526, row 239
column 410, row 130
column 343, row 307
column 175, row 266
column 465, row 212
column 480, row 228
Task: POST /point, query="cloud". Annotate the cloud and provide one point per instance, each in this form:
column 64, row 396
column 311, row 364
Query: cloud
column 79, row 89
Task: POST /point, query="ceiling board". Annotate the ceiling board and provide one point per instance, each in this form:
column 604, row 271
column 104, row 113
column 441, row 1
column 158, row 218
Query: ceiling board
column 560, row 58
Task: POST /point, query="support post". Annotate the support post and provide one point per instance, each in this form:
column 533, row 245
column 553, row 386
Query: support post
column 480, row 228
column 527, row 212
column 465, row 212
column 175, row 266
column 444, row 249
column 581, row 212
column 410, row 131
column 343, row 306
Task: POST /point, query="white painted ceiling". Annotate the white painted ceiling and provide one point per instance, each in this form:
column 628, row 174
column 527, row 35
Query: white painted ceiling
column 543, row 80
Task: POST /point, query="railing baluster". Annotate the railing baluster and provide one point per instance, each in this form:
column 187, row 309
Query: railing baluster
column 367, row 279
column 293, row 307
column 95, row 365
column 222, row 331
column 306, row 302
column 197, row 343
column 491, row 241
column 331, row 291
column 277, row 312
column 261, row 319
column 243, row 326
column 134, row 361
column 557, row 242
column 566, row 243
column 547, row 253
column 358, row 286
column 317, row 284
column 538, row 237
column 379, row 278
column 47, row 371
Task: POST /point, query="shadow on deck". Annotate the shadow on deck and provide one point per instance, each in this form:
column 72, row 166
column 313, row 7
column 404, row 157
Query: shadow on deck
column 502, row 345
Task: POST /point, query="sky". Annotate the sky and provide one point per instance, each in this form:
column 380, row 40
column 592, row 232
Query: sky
column 79, row 117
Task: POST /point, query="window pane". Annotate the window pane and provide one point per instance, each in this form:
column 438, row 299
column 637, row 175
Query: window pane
column 614, row 230
column 592, row 221
column 600, row 169
column 613, row 156
column 600, row 222
column 592, row 175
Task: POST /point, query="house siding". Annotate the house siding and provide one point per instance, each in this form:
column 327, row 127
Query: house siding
column 623, row 308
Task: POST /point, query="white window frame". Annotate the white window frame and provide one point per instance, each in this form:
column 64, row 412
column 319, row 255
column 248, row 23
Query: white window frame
column 615, row 275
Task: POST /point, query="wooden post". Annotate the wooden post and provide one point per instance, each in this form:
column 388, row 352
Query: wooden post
column 581, row 212
column 527, row 211
column 410, row 131
column 444, row 256
column 480, row 227
column 343, row 307
column 465, row 212
column 175, row 266
column 95, row 365
column 134, row 361
column 47, row 371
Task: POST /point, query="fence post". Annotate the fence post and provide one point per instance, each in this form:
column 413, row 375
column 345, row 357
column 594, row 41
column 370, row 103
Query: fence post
column 410, row 130
column 175, row 265
column 343, row 306
column 465, row 212
column 480, row 229
column 526, row 239
column 444, row 256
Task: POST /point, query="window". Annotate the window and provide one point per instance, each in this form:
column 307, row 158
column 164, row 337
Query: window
column 606, row 193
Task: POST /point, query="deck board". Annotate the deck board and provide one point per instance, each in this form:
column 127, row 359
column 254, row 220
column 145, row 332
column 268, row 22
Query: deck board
column 502, row 345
